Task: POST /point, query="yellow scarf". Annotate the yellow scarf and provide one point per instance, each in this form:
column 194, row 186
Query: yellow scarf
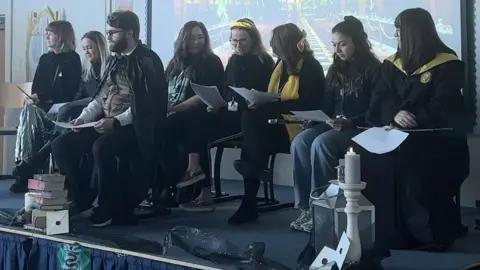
column 289, row 92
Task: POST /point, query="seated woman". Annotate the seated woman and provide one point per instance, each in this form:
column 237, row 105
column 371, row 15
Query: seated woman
column 317, row 149
column 299, row 79
column 96, row 52
column 421, row 89
column 56, row 80
column 250, row 67
column 189, row 123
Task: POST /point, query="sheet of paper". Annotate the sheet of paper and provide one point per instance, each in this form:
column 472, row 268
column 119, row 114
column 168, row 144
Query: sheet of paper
column 315, row 116
column 209, row 95
column 254, row 96
column 55, row 107
column 379, row 140
column 328, row 256
column 68, row 125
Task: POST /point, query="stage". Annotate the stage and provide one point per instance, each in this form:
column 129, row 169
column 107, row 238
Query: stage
column 282, row 245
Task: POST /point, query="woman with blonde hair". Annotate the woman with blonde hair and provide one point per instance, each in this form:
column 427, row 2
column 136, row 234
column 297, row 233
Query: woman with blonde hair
column 33, row 145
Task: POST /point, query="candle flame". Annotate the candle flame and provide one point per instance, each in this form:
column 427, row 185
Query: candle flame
column 350, row 150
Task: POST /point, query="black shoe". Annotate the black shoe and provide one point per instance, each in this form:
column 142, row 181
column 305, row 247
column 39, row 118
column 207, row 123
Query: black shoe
column 76, row 213
column 23, row 169
column 100, row 218
column 245, row 214
column 20, row 185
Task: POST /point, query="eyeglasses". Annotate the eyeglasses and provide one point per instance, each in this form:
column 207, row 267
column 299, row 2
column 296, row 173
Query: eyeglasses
column 237, row 41
column 112, row 32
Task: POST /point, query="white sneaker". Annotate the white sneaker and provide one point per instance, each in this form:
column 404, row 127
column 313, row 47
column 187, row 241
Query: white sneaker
column 302, row 221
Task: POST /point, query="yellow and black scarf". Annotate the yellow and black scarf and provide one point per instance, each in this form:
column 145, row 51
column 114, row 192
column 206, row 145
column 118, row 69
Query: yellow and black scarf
column 290, row 89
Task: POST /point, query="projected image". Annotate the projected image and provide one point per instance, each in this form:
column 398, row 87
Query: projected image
column 316, row 17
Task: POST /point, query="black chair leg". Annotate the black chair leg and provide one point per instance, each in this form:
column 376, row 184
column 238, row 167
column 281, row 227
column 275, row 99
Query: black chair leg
column 217, row 165
column 218, row 195
column 270, row 202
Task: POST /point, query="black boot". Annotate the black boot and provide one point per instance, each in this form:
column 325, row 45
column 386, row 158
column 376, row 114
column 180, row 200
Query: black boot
column 20, row 185
column 247, row 212
column 23, row 169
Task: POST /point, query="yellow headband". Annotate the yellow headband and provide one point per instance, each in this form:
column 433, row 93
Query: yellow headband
column 241, row 25
column 302, row 43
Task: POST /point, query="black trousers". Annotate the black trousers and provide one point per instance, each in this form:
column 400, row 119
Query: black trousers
column 107, row 150
column 66, row 113
column 260, row 140
column 191, row 132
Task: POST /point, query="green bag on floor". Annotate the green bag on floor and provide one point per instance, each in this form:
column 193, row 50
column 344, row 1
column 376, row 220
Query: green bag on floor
column 73, row 257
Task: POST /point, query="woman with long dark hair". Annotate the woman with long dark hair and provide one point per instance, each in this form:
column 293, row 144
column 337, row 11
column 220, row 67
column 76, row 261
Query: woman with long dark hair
column 299, row 79
column 57, row 80
column 421, row 89
column 316, row 150
column 190, row 124
column 250, row 67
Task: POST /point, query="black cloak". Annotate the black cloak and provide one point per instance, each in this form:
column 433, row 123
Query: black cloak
column 146, row 77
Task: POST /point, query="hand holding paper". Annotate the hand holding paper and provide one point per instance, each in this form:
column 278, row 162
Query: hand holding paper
column 255, row 98
column 380, row 140
column 209, row 95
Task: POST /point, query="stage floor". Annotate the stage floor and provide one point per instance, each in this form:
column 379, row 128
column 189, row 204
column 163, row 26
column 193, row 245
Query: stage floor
column 282, row 244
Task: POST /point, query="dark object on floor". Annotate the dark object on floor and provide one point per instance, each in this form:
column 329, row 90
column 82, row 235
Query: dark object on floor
column 218, row 250
column 19, row 186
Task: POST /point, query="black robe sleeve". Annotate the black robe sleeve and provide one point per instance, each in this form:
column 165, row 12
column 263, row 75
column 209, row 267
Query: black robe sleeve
column 383, row 103
column 40, row 84
column 149, row 104
column 448, row 81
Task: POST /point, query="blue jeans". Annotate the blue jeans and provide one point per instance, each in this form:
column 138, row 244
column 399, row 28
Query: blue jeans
column 315, row 156
column 302, row 166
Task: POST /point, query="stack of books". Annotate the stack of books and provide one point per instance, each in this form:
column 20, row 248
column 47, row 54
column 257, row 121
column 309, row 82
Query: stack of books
column 48, row 203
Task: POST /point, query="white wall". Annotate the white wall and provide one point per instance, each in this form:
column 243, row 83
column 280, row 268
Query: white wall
column 82, row 19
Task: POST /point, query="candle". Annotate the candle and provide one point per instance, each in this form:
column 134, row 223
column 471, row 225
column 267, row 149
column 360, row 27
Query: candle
column 28, row 202
column 352, row 167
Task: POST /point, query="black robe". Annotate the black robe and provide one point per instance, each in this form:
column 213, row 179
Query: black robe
column 413, row 187
column 146, row 76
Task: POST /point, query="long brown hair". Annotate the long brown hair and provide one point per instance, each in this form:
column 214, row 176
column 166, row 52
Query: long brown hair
column 284, row 43
column 180, row 51
column 349, row 75
column 419, row 40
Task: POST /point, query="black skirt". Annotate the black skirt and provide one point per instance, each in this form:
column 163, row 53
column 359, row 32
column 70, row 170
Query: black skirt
column 412, row 189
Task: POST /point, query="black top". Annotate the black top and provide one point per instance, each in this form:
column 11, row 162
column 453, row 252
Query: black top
column 57, row 78
column 206, row 71
column 311, row 88
column 89, row 88
column 249, row 72
column 351, row 99
column 434, row 95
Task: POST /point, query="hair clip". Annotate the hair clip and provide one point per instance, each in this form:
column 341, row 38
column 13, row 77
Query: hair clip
column 301, row 44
